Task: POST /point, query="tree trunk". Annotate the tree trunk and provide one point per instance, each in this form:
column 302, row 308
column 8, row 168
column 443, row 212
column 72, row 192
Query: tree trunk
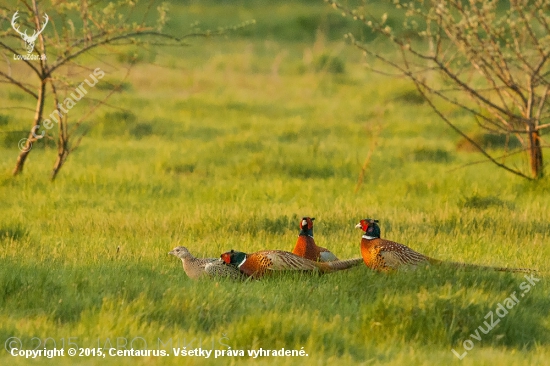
column 61, row 157
column 26, row 149
column 535, row 154
column 62, row 140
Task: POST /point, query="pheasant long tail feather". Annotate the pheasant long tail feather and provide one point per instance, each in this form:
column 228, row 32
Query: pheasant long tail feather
column 339, row 265
column 500, row 269
column 281, row 261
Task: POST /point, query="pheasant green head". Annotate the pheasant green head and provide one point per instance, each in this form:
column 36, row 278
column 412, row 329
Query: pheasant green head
column 306, row 226
column 233, row 257
column 370, row 227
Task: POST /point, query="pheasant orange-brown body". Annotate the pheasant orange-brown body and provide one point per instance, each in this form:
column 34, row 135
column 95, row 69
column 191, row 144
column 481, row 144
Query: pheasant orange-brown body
column 384, row 255
column 305, row 245
column 266, row 262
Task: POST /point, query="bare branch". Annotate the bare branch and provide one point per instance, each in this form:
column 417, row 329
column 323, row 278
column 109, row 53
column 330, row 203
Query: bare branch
column 496, row 64
column 18, row 84
column 27, row 62
column 475, row 144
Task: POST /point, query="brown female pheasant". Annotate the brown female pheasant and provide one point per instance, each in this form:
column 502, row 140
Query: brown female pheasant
column 259, row 264
column 197, row 268
column 384, row 255
column 305, row 245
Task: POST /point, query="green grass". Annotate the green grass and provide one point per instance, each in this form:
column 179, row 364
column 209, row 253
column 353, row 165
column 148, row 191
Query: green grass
column 226, row 144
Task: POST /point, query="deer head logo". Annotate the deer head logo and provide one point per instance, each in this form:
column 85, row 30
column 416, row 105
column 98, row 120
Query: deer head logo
column 29, row 40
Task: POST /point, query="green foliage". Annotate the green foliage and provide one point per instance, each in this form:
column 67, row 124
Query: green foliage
column 13, row 232
column 483, row 202
column 331, row 64
column 489, row 141
column 410, row 96
column 119, row 86
column 141, row 130
column 117, row 123
column 9, row 139
column 432, row 155
column 134, row 55
column 16, row 96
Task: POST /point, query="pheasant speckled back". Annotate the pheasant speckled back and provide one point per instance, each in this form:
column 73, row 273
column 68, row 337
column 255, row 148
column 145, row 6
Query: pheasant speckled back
column 383, row 254
column 196, row 268
column 219, row 269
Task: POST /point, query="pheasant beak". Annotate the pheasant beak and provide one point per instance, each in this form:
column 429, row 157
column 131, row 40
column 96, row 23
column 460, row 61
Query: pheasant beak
column 359, row 226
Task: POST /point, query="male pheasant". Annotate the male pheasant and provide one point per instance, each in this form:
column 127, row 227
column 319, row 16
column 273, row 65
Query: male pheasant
column 306, row 247
column 197, row 268
column 259, row 264
column 384, row 255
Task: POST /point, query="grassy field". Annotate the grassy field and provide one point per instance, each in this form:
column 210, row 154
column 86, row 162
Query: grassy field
column 226, row 144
